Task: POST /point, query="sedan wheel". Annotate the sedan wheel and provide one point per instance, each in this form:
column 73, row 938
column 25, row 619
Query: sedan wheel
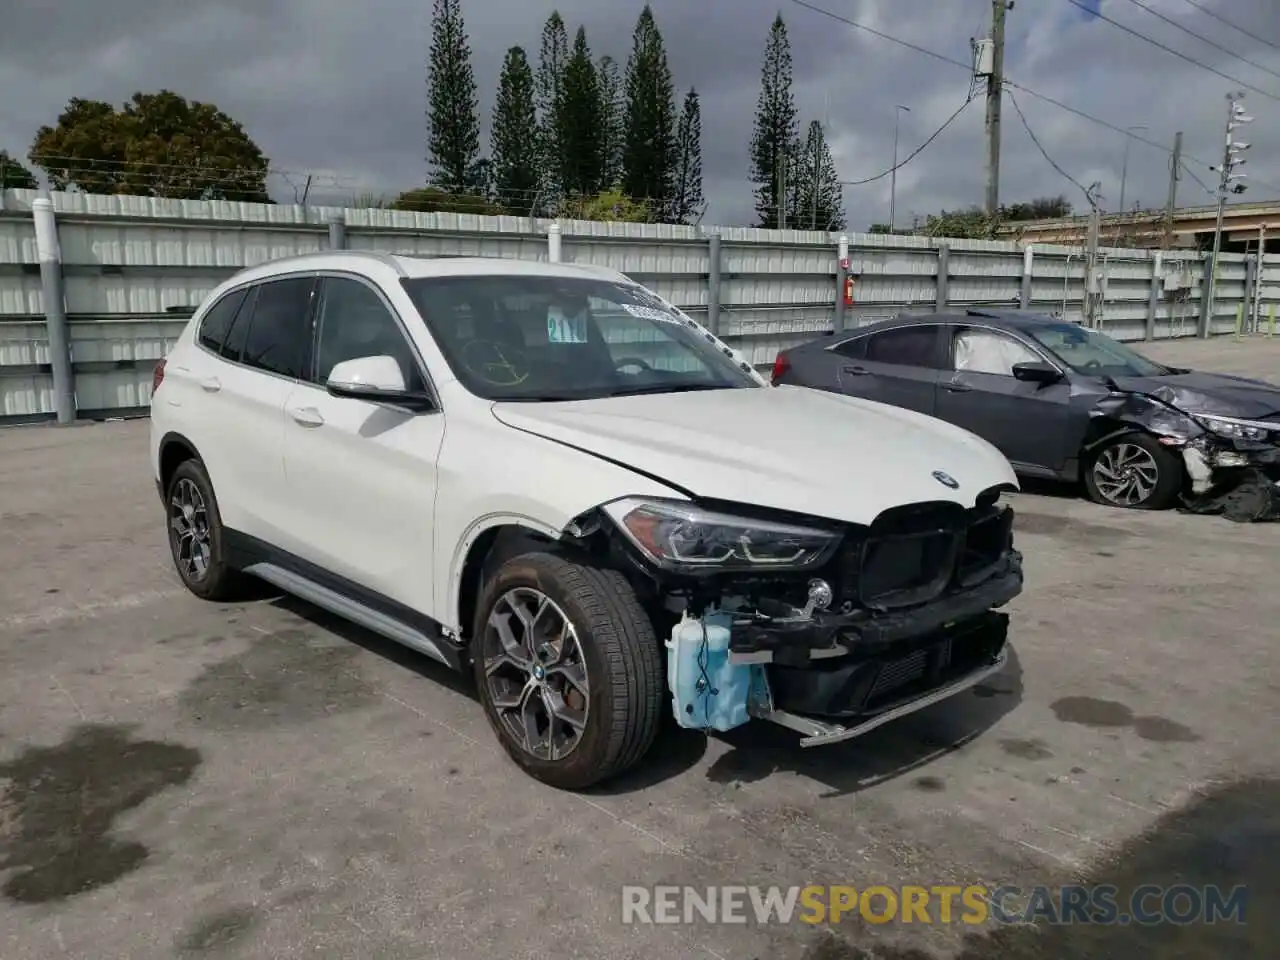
column 1134, row 472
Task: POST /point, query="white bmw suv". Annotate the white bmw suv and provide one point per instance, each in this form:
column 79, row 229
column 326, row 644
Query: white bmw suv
column 551, row 477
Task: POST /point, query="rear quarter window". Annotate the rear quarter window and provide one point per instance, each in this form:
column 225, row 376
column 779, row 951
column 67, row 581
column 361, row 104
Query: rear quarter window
column 216, row 322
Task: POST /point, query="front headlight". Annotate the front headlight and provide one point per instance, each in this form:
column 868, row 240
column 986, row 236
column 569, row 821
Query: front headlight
column 678, row 535
column 1235, row 428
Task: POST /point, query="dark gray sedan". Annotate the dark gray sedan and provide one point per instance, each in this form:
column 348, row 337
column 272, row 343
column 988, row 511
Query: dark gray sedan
column 1066, row 403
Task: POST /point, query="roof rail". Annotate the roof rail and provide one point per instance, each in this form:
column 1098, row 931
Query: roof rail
column 385, row 258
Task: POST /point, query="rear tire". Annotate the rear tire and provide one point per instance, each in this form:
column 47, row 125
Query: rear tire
column 1134, row 472
column 546, row 628
column 196, row 535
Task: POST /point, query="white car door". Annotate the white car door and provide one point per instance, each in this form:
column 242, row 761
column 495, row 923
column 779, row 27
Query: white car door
column 362, row 475
column 239, row 380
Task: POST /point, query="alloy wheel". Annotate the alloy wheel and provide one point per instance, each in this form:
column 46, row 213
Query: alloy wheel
column 1126, row 474
column 535, row 673
column 189, row 531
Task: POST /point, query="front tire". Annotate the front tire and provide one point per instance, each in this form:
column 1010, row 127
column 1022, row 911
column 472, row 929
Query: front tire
column 568, row 668
column 196, row 536
column 1134, row 472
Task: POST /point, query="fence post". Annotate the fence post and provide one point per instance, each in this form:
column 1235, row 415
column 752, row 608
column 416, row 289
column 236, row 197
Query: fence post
column 842, row 278
column 944, row 274
column 1208, row 286
column 1250, row 291
column 713, row 283
column 338, row 231
column 1153, row 304
column 53, row 291
column 553, row 242
column 1028, row 266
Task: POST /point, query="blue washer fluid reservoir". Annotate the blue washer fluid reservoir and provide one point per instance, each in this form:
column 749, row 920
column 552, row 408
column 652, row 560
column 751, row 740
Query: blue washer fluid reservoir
column 708, row 692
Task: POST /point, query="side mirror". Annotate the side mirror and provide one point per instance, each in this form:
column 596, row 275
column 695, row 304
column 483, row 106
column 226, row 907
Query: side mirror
column 376, row 379
column 1036, row 372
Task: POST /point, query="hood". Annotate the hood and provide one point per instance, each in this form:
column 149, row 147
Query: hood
column 1214, row 393
column 788, row 448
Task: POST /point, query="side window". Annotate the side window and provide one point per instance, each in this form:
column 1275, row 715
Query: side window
column 985, row 351
column 278, row 333
column 855, row 349
column 355, row 322
column 904, row 346
column 233, row 345
column 217, row 322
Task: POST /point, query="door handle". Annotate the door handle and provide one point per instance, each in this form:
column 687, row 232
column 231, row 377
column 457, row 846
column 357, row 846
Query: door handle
column 856, row 371
column 211, row 385
column 307, row 416
column 955, row 387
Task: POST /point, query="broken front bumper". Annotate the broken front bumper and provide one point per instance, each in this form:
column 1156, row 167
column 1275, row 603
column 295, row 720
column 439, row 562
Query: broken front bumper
column 1240, row 481
column 837, row 677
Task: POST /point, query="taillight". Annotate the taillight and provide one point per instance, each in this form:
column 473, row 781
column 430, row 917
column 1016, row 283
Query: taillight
column 780, row 366
column 157, row 376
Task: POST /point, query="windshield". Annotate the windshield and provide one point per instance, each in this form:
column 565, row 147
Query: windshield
column 1093, row 353
column 512, row 337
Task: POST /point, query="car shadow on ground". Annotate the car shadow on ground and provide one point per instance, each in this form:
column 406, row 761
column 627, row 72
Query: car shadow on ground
column 759, row 749
column 675, row 751
column 899, row 748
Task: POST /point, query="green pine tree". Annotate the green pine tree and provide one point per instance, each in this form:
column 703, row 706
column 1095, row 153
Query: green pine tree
column 515, row 129
column 611, row 119
column 819, row 195
column 549, row 92
column 775, row 135
column 14, row 176
column 453, row 138
column 649, row 144
column 582, row 131
column 686, row 200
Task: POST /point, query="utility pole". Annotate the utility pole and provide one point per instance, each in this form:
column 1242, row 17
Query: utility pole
column 1092, row 286
column 995, row 90
column 1227, row 183
column 893, row 171
column 1175, row 174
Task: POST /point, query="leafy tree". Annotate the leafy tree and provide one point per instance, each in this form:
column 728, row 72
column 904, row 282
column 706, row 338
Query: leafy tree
column 686, row 198
column 972, row 223
column 881, row 228
column 436, row 200
column 453, row 137
column 582, row 135
column 14, row 176
column 649, row 147
column 611, row 123
column 819, row 195
column 1041, row 208
column 775, row 135
column 611, row 205
column 515, row 132
column 156, row 145
column 553, row 58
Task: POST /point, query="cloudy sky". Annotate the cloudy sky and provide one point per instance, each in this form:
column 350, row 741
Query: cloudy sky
column 336, row 89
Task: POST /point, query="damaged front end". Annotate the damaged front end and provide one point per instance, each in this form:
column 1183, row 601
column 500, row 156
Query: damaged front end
column 829, row 629
column 1232, row 462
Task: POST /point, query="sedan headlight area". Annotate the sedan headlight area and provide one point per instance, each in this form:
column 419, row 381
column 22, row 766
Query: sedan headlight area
column 677, row 535
column 1237, row 429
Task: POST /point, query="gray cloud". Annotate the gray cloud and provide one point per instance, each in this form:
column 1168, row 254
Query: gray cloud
column 337, row 89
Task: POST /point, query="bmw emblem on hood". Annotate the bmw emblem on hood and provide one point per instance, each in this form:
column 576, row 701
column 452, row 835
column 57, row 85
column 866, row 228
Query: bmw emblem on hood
column 946, row 479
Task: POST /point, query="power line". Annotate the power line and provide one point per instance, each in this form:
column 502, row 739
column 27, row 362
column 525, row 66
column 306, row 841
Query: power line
column 885, row 36
column 1167, row 49
column 1204, row 186
column 915, row 153
column 1203, row 39
column 1221, row 19
column 1045, row 153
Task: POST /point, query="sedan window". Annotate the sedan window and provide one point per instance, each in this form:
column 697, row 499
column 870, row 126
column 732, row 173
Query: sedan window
column 984, row 351
column 904, row 346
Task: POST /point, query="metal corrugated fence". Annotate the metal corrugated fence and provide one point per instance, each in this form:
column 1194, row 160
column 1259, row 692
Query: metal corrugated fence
column 125, row 261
